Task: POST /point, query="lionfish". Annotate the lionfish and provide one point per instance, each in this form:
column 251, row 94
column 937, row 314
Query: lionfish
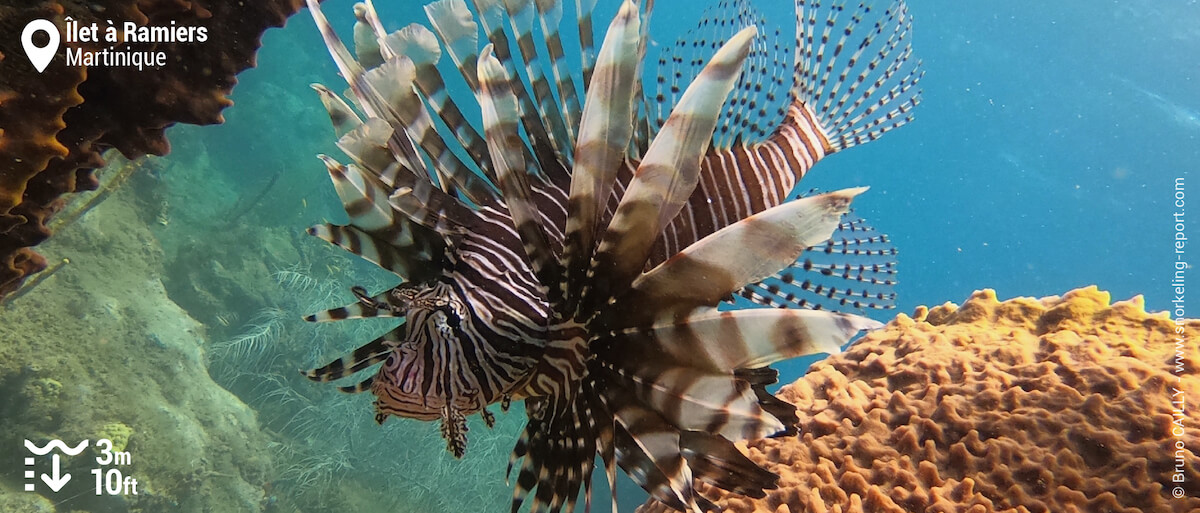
column 584, row 254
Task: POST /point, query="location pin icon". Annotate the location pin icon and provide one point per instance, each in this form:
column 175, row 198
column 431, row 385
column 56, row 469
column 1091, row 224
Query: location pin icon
column 40, row 57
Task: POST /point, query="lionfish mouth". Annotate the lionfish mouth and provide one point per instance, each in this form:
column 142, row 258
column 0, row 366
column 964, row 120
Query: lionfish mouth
column 622, row 256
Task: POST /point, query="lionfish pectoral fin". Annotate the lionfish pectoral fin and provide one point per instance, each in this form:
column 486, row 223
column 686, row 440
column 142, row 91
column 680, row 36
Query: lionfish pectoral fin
column 855, row 269
column 365, row 356
column 647, row 449
column 343, row 118
column 604, row 132
column 726, row 341
column 668, row 173
column 692, row 399
column 759, row 379
column 716, row 461
column 364, row 307
column 707, row 272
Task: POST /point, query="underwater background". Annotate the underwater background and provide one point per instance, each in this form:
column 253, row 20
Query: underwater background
column 1043, row 158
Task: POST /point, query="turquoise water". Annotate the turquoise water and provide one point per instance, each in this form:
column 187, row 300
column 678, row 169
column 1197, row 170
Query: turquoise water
column 1043, row 158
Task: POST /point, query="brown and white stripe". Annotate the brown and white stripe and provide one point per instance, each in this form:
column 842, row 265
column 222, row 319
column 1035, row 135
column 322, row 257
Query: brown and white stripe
column 648, row 372
column 668, row 173
column 604, row 132
column 500, row 122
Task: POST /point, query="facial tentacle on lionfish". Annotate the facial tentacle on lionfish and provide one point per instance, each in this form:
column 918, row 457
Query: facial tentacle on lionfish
column 584, row 257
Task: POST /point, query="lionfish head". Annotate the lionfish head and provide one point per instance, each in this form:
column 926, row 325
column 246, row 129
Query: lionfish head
column 623, row 256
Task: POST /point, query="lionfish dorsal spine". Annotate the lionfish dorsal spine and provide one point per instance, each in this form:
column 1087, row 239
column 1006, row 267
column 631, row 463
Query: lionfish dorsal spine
column 343, row 118
column 368, row 100
column 668, row 172
column 550, row 15
column 491, row 19
column 394, row 82
column 421, row 45
column 520, row 14
column 604, row 132
column 582, row 247
column 500, row 121
column 366, row 44
column 455, row 25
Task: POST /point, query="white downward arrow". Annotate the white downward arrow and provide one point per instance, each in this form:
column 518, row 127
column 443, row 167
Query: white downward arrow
column 57, row 482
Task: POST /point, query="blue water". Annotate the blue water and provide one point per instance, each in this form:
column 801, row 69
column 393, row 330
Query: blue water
column 1043, row 156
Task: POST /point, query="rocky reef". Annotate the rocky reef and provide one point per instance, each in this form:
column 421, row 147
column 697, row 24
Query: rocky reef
column 101, row 351
column 159, row 335
column 57, row 123
column 1059, row 404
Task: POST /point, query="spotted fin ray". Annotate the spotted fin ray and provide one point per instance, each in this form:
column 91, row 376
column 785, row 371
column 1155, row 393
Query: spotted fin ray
column 852, row 79
column 585, row 275
column 854, row 270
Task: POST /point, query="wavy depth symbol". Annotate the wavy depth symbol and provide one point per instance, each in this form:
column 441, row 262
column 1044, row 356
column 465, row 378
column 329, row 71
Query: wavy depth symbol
column 41, row 451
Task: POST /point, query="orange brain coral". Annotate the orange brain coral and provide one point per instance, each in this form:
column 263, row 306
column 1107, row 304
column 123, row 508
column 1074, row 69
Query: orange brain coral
column 1055, row 405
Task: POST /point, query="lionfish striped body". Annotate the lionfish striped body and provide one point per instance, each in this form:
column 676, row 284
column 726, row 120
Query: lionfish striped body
column 577, row 253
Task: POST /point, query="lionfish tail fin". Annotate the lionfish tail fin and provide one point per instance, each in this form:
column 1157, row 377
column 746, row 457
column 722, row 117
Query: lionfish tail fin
column 756, row 103
column 849, row 78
